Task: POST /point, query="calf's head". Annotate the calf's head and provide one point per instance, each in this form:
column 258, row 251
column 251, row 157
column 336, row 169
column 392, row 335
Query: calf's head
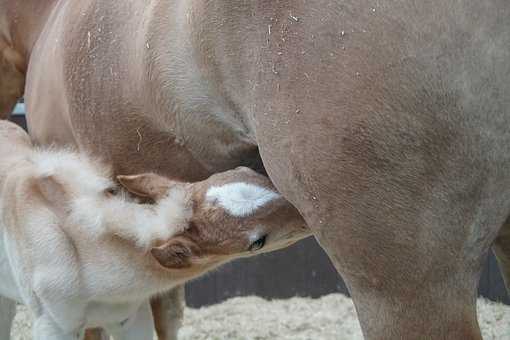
column 236, row 213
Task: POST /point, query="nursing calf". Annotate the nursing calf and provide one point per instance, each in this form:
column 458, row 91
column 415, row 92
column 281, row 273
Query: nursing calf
column 80, row 252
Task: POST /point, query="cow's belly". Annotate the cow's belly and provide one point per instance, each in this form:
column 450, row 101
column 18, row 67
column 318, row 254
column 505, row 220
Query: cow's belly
column 102, row 103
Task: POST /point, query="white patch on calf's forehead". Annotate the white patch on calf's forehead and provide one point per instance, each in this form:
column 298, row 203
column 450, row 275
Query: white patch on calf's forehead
column 240, row 199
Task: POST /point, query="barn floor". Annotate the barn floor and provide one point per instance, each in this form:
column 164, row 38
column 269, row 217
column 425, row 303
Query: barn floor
column 252, row 318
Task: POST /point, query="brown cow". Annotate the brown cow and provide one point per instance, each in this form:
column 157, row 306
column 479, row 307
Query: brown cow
column 384, row 122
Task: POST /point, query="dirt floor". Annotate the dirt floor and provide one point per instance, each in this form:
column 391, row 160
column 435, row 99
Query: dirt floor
column 252, row 318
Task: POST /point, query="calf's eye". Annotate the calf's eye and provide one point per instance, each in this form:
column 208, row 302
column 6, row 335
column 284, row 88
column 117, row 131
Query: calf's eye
column 258, row 244
column 112, row 191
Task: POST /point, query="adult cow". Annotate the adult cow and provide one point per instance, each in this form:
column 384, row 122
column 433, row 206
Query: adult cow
column 386, row 123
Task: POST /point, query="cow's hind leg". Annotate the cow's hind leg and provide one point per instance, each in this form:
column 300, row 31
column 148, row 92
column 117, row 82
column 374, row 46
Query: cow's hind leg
column 501, row 249
column 7, row 313
column 401, row 296
column 139, row 327
column 412, row 267
column 444, row 313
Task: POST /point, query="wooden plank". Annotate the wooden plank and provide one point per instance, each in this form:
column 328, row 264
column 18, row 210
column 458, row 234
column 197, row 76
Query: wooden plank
column 302, row 270
column 484, row 288
column 497, row 286
column 20, row 120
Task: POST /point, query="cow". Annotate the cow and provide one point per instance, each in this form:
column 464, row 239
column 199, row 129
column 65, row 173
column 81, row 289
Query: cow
column 385, row 123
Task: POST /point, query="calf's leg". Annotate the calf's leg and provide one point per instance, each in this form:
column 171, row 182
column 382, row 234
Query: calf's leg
column 168, row 312
column 95, row 334
column 45, row 329
column 139, row 327
column 7, row 313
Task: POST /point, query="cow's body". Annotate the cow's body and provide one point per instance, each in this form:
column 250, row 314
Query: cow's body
column 384, row 122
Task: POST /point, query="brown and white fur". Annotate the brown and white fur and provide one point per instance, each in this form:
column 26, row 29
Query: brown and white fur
column 385, row 123
column 79, row 253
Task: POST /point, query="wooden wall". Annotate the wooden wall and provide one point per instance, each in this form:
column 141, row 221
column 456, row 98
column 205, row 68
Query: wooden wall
column 301, row 270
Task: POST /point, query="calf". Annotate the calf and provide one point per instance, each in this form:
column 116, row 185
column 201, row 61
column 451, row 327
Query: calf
column 80, row 252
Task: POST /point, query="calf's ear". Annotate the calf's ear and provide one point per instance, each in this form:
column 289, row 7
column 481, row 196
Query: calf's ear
column 178, row 253
column 53, row 191
column 147, row 185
